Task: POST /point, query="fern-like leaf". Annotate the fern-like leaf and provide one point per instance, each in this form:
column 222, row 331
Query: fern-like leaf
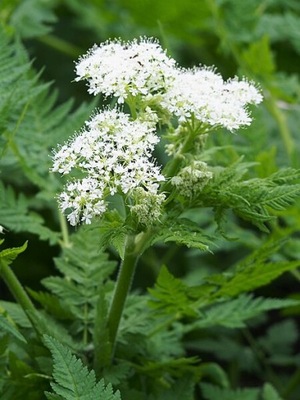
column 16, row 313
column 211, row 392
column 7, row 256
column 6, row 326
column 234, row 313
column 170, row 296
column 30, row 123
column 251, row 278
column 72, row 380
column 182, row 231
column 32, row 18
column 85, row 268
column 16, row 215
column 255, row 270
column 251, row 199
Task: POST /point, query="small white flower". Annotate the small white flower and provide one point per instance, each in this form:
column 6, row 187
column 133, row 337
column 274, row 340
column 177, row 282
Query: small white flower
column 119, row 69
column 2, row 230
column 114, row 154
column 202, row 93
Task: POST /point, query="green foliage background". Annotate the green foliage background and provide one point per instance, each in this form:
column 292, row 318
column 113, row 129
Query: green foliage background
column 247, row 351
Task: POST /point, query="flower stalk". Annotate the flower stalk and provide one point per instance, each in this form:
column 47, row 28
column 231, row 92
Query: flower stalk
column 126, row 273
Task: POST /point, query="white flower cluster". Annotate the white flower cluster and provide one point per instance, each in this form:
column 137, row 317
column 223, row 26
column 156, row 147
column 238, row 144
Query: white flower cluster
column 142, row 68
column 192, row 178
column 114, row 154
column 126, row 69
column 203, row 94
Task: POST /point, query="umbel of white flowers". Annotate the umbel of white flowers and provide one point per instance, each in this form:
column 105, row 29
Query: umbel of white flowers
column 113, row 153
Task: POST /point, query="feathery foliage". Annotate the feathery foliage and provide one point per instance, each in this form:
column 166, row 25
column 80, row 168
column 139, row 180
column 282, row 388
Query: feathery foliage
column 214, row 303
column 72, row 380
column 85, row 270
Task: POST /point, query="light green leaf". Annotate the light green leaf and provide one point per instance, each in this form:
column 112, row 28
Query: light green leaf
column 211, row 392
column 234, row 313
column 269, row 393
column 72, row 380
column 170, row 296
column 16, row 215
column 182, row 231
column 7, row 256
column 255, row 276
column 259, row 58
column 6, row 326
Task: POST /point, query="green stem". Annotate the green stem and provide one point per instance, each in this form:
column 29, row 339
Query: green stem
column 124, row 281
column 64, row 230
column 60, row 45
column 284, row 130
column 173, row 166
column 17, row 291
column 131, row 102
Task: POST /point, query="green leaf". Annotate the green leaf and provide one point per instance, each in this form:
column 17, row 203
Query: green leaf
column 269, row 393
column 182, row 231
column 281, row 26
column 52, row 305
column 85, row 269
column 254, row 276
column 251, row 199
column 30, row 125
column 16, row 215
column 234, row 313
column 255, row 270
column 259, row 58
column 16, row 313
column 7, row 256
column 183, row 390
column 280, row 348
column 6, row 326
column 72, row 380
column 170, row 296
column 32, row 18
column 45, row 323
column 112, row 231
column 176, row 367
column 215, row 374
column 211, row 392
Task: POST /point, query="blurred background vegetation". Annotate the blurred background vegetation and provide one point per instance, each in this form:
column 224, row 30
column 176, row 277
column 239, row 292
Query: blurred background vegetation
column 255, row 38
